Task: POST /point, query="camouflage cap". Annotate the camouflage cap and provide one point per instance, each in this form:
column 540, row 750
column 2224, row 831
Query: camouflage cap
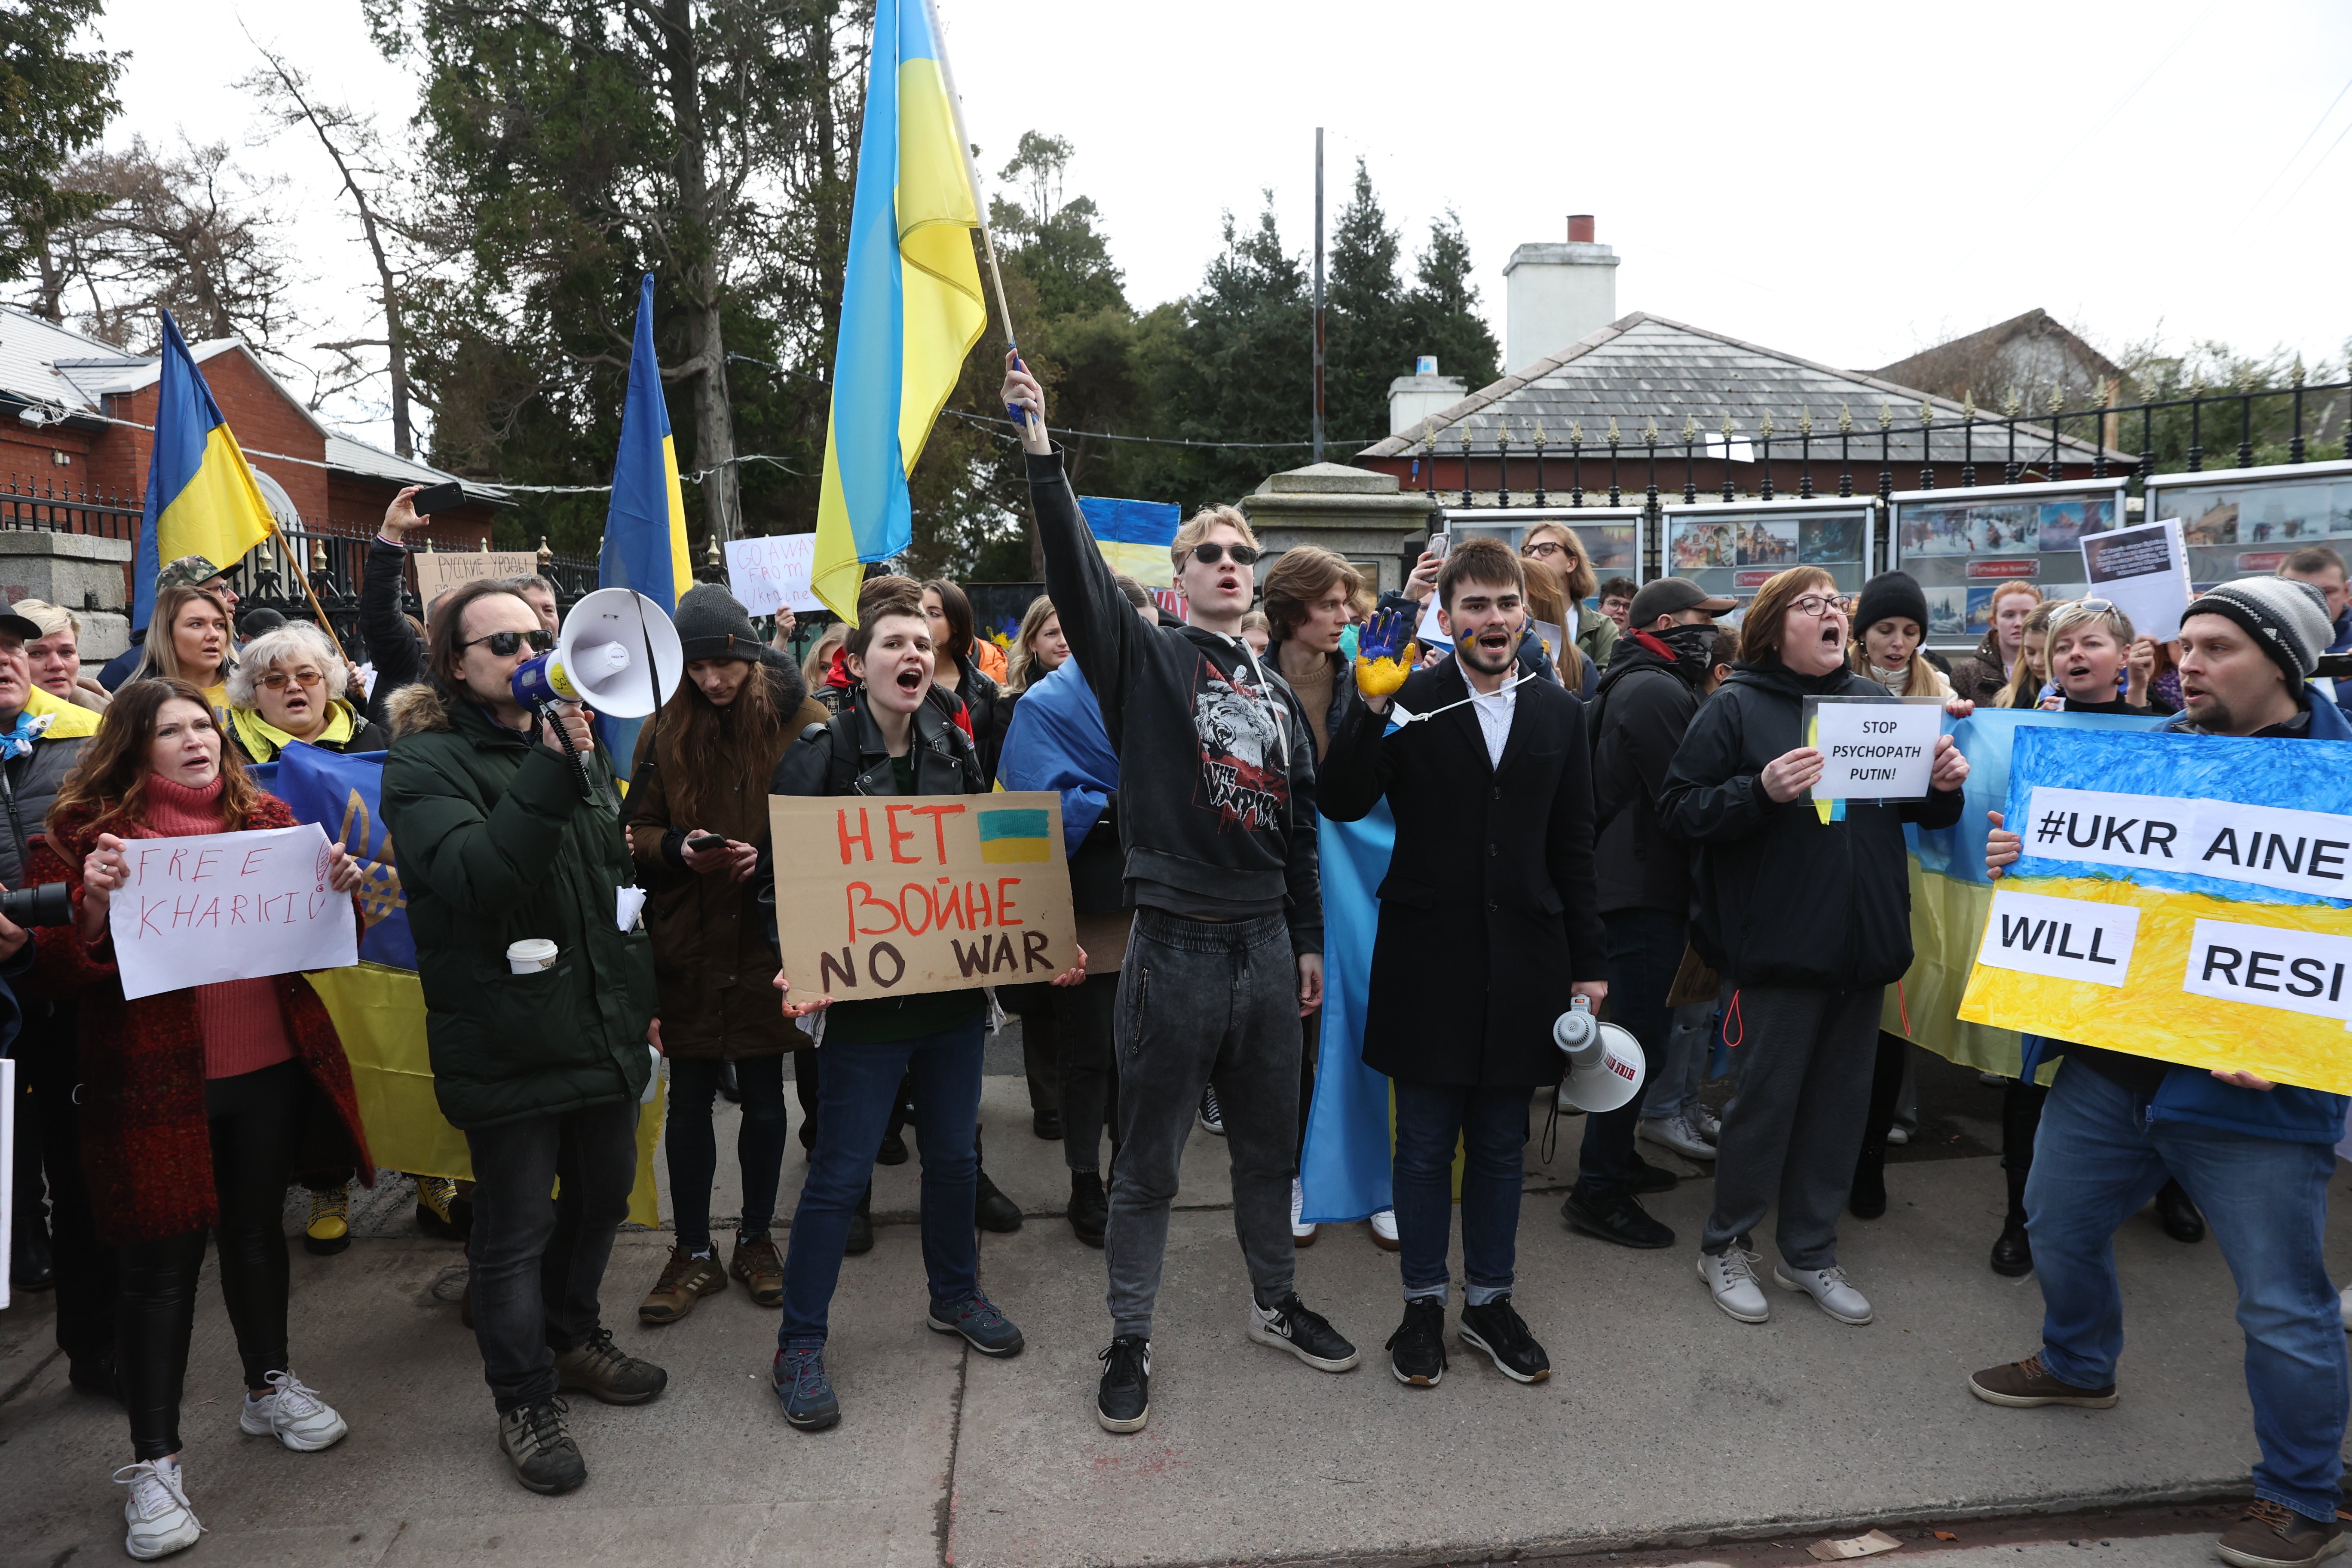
column 187, row 571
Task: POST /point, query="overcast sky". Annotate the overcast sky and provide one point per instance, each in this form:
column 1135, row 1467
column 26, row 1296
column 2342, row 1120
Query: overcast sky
column 1849, row 182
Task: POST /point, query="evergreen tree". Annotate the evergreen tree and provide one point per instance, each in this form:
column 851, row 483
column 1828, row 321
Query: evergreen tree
column 54, row 102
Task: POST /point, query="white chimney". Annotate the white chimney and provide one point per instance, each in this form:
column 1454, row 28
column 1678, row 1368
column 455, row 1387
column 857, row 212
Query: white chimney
column 1413, row 398
column 1558, row 293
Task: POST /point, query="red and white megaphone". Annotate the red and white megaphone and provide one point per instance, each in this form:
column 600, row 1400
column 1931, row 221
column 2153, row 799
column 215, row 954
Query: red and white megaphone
column 1606, row 1064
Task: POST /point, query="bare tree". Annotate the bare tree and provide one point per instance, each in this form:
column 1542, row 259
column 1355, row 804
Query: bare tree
column 353, row 146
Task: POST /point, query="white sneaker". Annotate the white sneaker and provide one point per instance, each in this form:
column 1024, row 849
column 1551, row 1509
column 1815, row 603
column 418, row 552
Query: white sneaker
column 292, row 1414
column 1709, row 1125
column 1385, row 1234
column 1677, row 1133
column 1898, row 1134
column 1829, row 1290
column 157, row 1513
column 1301, row 1232
column 1731, row 1279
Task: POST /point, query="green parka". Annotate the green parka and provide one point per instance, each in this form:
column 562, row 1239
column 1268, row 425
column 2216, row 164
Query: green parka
column 495, row 845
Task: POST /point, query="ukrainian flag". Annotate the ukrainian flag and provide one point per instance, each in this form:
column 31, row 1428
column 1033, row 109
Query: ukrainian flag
column 1134, row 536
column 644, row 527
column 201, row 498
column 1014, row 834
column 911, row 305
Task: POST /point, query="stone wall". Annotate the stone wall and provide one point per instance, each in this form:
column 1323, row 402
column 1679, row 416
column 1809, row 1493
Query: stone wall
column 79, row 571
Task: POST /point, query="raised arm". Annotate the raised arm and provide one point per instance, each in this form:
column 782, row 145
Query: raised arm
column 391, row 645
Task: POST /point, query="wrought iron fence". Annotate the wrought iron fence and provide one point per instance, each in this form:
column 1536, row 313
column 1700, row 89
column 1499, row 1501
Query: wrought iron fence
column 2244, row 425
column 27, row 504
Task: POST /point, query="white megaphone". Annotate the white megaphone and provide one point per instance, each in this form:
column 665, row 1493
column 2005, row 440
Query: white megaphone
column 617, row 653
column 1606, row 1064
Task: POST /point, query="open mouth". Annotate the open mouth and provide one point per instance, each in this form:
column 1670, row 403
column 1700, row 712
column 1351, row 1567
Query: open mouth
column 2077, row 671
column 910, row 681
column 1833, row 636
column 1229, row 584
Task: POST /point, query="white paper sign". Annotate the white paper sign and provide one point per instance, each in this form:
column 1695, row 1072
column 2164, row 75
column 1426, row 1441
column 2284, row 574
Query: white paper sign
column 772, row 572
column 2297, row 971
column 2144, row 572
column 2269, row 845
column 2071, row 939
column 229, row 906
column 1875, row 751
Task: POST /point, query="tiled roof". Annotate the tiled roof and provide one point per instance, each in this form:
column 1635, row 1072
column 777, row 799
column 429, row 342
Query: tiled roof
column 1645, row 367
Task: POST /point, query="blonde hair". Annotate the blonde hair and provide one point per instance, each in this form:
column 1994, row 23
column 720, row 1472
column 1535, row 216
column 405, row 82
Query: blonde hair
column 2074, row 614
column 820, row 658
column 162, row 658
column 1582, row 582
column 1255, row 621
column 294, row 640
column 51, row 618
column 1546, row 602
column 1021, row 656
column 1196, row 528
column 2023, row 685
column 1919, row 677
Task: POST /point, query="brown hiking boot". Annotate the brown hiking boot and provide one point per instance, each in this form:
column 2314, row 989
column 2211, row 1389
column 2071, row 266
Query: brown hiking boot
column 685, row 1280
column 757, row 1264
column 2268, row 1535
column 608, row 1372
column 2025, row 1384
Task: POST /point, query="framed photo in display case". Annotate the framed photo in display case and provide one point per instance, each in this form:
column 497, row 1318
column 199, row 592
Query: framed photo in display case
column 1963, row 545
column 1733, row 550
column 2242, row 523
column 1612, row 535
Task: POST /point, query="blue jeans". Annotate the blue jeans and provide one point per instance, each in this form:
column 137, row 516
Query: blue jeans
column 1492, row 1126
column 692, row 1146
column 856, row 1093
column 1672, row 1088
column 2096, row 1160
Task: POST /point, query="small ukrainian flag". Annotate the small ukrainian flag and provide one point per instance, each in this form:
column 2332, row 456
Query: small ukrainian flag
column 1006, row 836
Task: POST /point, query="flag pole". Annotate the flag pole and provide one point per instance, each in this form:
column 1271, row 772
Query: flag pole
column 302, row 570
column 979, row 202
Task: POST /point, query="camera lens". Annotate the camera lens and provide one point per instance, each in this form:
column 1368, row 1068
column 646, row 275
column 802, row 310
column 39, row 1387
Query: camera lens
column 50, row 904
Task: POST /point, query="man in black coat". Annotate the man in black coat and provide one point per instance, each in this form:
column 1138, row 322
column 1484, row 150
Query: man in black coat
column 1488, row 931
column 1654, row 683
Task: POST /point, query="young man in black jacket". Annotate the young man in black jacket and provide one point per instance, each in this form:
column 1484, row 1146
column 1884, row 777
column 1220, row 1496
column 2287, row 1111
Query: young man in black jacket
column 1652, row 689
column 1488, row 933
column 1217, row 816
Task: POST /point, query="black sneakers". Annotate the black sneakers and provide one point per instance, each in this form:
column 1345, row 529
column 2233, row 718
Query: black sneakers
column 1498, row 1329
column 1618, row 1217
column 1123, row 1403
column 1290, row 1326
column 1417, row 1350
column 1089, row 1207
column 538, row 1444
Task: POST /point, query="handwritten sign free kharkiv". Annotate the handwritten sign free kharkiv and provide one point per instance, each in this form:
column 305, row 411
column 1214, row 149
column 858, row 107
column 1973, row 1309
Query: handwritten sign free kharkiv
column 229, row 906
column 887, row 896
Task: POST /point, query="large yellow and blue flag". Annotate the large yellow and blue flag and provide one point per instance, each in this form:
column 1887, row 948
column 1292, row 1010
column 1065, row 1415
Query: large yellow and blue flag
column 911, row 305
column 645, row 527
column 201, row 498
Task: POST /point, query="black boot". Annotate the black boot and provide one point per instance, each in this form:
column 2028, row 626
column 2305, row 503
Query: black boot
column 861, row 1225
column 991, row 1209
column 1089, row 1207
column 2012, row 1254
column 2177, row 1215
column 1867, row 1197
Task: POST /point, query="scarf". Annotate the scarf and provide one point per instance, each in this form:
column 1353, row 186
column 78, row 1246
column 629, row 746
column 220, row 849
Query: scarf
column 17, row 740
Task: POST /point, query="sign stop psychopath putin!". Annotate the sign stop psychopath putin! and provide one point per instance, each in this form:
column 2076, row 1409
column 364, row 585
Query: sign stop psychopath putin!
column 229, row 906
column 878, row 896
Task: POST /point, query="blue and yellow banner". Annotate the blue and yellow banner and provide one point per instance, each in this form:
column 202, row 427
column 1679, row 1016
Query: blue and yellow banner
column 378, row 1004
column 1134, row 536
column 645, row 527
column 2187, row 898
column 201, row 498
column 911, row 306
column 1011, row 835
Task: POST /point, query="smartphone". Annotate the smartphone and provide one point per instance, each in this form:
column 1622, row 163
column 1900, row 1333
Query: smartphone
column 1439, row 544
column 706, row 842
column 438, row 497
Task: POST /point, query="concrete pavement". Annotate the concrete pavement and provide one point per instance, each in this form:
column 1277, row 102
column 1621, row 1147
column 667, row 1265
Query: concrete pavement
column 1666, row 1423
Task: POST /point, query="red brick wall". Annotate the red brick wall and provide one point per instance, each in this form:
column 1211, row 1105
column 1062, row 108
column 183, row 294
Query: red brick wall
column 28, row 453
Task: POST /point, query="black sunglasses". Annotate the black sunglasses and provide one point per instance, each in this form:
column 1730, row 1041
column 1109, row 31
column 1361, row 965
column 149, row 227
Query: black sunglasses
column 1210, row 554
column 504, row 643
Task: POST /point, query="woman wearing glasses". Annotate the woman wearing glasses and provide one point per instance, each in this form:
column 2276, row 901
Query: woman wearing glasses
column 291, row 685
column 1809, row 920
column 1556, row 545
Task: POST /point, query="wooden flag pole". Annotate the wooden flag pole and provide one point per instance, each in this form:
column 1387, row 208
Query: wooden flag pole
column 978, row 204
column 302, row 570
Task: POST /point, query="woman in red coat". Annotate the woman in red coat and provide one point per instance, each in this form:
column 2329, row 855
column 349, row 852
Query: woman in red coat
column 196, row 1104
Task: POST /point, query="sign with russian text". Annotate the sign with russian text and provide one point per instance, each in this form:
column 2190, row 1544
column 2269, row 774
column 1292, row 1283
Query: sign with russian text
column 881, row 896
column 229, row 906
column 438, row 570
column 2182, row 897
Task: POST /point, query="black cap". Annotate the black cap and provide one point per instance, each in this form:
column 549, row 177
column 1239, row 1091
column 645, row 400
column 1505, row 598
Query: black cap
column 1671, row 596
column 20, row 627
column 1889, row 594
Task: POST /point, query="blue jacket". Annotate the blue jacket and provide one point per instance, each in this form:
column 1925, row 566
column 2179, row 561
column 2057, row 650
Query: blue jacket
column 2287, row 1114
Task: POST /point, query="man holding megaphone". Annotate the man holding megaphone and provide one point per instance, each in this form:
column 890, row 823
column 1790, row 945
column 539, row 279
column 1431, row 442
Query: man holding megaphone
column 1488, row 933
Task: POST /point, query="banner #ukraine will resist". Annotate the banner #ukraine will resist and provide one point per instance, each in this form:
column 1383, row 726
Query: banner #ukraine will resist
column 2182, row 897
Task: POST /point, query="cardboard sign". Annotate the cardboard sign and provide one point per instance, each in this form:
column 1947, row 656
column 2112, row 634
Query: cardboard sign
column 888, row 896
column 229, row 906
column 1874, row 748
column 2144, row 572
column 770, row 574
column 438, row 571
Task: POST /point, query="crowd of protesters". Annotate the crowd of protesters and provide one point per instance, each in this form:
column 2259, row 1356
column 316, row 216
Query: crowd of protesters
column 1599, row 799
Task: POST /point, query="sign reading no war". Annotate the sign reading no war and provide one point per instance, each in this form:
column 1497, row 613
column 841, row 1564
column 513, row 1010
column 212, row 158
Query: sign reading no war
column 881, row 896
column 229, row 906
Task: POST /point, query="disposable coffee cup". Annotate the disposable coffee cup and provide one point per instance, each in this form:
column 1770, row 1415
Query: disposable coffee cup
column 530, row 955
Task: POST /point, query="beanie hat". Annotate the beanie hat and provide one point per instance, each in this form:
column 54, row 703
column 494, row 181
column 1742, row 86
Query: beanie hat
column 711, row 625
column 2287, row 619
column 1887, row 595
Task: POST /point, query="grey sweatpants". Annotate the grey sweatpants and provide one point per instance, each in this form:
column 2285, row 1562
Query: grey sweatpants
column 1803, row 1064
column 1201, row 1000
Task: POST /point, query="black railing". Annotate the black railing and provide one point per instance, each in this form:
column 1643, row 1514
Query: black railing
column 61, row 508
